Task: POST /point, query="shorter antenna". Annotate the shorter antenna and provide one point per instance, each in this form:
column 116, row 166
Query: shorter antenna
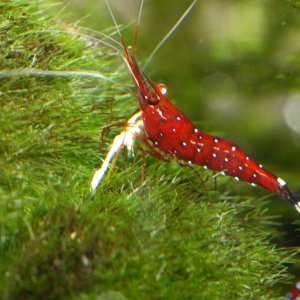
column 137, row 27
column 140, row 13
column 171, row 31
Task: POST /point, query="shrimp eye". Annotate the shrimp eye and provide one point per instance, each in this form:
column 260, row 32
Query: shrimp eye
column 162, row 88
column 152, row 98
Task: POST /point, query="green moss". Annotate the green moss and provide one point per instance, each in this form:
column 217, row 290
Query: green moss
column 168, row 239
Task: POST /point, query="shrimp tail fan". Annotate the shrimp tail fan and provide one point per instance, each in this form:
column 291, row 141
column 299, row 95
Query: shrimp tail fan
column 292, row 199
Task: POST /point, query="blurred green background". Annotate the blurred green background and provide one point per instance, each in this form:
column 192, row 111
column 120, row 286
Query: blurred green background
column 232, row 67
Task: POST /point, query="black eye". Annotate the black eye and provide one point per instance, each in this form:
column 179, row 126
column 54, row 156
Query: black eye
column 152, row 98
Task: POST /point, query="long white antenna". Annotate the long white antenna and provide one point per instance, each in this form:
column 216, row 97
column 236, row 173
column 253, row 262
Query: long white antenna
column 169, row 33
column 105, row 36
column 39, row 72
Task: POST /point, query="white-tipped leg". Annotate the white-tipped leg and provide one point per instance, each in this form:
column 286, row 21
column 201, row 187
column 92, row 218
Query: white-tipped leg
column 297, row 206
column 125, row 139
column 116, row 145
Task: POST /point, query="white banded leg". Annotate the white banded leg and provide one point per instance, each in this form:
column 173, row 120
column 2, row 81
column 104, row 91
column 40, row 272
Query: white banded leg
column 125, row 139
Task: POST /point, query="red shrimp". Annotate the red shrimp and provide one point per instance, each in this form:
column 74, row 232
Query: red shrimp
column 173, row 135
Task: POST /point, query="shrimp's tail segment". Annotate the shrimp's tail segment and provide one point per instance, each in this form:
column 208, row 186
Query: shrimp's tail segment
column 292, row 199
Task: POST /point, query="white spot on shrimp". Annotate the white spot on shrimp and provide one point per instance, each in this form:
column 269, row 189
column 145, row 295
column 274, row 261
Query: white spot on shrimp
column 161, row 134
column 160, row 113
column 175, row 151
column 236, row 178
column 233, row 148
column 281, row 182
column 260, row 166
column 178, row 118
column 198, row 150
column 226, row 159
column 200, row 137
column 184, row 144
column 216, row 141
column 247, row 157
column 196, row 130
column 214, row 155
column 189, row 162
column 254, row 175
column 205, row 167
column 241, row 168
column 156, row 143
column 174, row 130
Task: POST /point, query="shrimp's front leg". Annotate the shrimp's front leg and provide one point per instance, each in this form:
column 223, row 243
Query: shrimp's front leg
column 125, row 139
